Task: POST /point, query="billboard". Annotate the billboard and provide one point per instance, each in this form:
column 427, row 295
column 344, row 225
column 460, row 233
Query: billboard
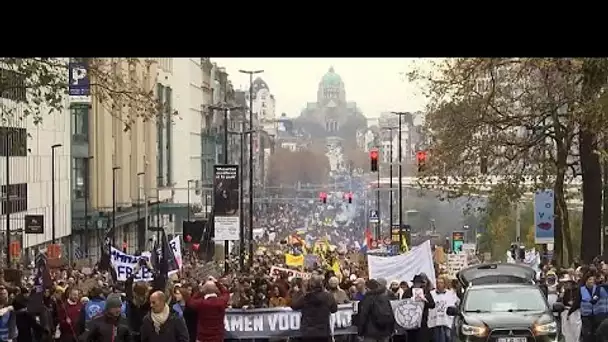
column 226, row 214
column 457, row 241
column 79, row 84
column 544, row 216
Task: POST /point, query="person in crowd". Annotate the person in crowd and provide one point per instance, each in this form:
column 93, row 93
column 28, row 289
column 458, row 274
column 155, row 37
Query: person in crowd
column 190, row 315
column 296, row 291
column 162, row 324
column 571, row 321
column 29, row 329
column 177, row 301
column 275, row 298
column 93, row 308
column 68, row 315
column 420, row 292
column 210, row 304
column 315, row 306
column 340, row 295
column 375, row 320
column 592, row 300
column 360, row 290
column 8, row 323
column 110, row 326
column 438, row 321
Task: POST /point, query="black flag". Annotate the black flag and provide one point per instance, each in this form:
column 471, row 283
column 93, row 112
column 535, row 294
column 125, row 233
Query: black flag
column 42, row 281
column 167, row 261
column 105, row 263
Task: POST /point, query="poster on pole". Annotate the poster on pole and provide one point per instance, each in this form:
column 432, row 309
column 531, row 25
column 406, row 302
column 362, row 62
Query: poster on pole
column 79, row 84
column 226, row 202
column 544, row 216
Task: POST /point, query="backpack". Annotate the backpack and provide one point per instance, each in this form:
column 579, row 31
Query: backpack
column 382, row 313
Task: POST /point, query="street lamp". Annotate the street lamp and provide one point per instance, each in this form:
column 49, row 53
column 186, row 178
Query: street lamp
column 189, row 181
column 251, row 73
column 53, row 228
column 399, row 156
column 241, row 197
column 390, row 171
column 114, row 169
column 86, row 204
column 141, row 238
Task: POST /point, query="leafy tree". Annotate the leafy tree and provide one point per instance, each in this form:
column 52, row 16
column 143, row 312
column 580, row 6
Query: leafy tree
column 287, row 167
column 515, row 121
column 119, row 84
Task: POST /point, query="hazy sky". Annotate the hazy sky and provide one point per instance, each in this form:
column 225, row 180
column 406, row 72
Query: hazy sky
column 375, row 84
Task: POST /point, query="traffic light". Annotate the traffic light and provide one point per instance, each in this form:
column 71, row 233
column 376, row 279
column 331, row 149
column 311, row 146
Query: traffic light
column 323, row 197
column 421, row 159
column 373, row 157
column 349, row 197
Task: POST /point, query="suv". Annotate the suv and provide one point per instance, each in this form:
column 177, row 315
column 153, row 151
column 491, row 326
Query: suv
column 505, row 306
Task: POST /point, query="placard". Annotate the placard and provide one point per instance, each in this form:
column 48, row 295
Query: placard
column 276, row 272
column 226, row 203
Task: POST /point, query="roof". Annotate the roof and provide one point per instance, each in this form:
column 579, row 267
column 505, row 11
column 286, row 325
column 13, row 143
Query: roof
column 258, row 84
column 331, row 78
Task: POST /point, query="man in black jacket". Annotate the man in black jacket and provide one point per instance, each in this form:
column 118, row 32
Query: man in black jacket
column 375, row 319
column 316, row 306
column 109, row 327
column 163, row 324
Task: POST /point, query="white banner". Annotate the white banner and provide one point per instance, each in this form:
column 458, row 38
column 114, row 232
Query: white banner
column 276, row 272
column 124, row 264
column 405, row 266
column 176, row 246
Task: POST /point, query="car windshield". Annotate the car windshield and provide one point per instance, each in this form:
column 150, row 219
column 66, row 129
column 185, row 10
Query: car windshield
column 505, row 299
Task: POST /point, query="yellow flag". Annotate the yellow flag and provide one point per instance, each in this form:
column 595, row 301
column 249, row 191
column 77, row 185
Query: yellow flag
column 294, row 260
column 336, row 268
column 404, row 246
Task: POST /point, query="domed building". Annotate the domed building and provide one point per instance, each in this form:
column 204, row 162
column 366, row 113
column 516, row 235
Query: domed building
column 331, row 115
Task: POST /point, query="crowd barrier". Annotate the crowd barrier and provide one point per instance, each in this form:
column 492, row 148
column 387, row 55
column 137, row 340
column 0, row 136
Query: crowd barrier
column 284, row 322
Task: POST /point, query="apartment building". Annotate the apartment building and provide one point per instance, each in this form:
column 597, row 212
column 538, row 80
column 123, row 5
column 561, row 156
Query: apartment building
column 26, row 171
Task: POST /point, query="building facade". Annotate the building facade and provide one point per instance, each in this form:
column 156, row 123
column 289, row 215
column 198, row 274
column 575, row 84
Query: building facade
column 332, row 114
column 114, row 166
column 26, row 181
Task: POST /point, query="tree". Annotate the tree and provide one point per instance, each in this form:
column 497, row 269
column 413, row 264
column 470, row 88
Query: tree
column 511, row 121
column 42, row 83
column 287, row 167
column 356, row 158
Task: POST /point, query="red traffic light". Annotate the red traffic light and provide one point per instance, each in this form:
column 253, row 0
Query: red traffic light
column 421, row 156
column 373, row 154
column 323, row 197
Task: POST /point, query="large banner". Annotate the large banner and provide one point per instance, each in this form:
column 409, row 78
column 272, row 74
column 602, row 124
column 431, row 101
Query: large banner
column 544, row 216
column 124, row 263
column 226, row 202
column 405, row 266
column 284, row 322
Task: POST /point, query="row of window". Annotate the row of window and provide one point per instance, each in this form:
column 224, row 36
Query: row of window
column 12, row 85
column 17, row 198
column 13, row 142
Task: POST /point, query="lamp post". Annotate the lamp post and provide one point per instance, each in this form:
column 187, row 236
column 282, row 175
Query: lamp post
column 114, row 169
column 251, row 73
column 87, row 160
column 242, row 134
column 53, row 227
column 390, row 175
column 189, row 181
column 141, row 238
column 399, row 156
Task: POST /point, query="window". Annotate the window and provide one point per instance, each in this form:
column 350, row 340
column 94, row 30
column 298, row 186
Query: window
column 160, row 155
column 17, row 198
column 169, row 130
column 12, row 85
column 15, row 143
column 79, row 177
column 80, row 122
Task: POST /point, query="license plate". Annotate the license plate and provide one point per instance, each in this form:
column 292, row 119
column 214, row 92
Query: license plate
column 512, row 339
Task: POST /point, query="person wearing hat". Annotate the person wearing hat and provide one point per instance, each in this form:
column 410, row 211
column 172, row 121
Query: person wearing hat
column 111, row 326
column 420, row 292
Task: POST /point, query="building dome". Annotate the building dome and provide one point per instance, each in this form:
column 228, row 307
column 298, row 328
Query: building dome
column 259, row 84
column 331, row 79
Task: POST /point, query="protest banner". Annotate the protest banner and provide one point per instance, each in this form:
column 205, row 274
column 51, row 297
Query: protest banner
column 176, row 246
column 456, row 262
column 405, row 266
column 276, row 272
column 124, row 264
column 284, row 322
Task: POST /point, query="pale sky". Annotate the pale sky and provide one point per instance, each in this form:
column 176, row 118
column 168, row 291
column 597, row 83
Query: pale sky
column 375, row 84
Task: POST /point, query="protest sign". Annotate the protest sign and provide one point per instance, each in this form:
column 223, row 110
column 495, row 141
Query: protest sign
column 124, row 264
column 276, row 272
column 176, row 246
column 456, row 262
column 294, row 260
column 284, row 322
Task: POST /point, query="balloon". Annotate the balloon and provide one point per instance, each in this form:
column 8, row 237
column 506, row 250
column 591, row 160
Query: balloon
column 188, row 238
column 195, row 246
